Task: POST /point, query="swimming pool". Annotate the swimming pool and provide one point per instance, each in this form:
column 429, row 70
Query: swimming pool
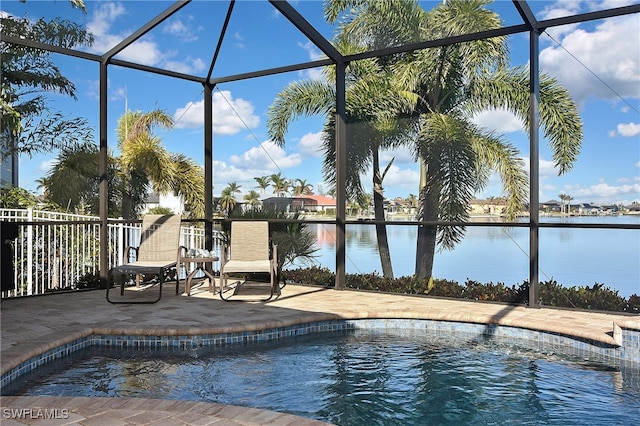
column 360, row 377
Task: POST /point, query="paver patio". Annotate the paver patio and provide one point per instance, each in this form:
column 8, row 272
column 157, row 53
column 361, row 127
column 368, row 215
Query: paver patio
column 33, row 325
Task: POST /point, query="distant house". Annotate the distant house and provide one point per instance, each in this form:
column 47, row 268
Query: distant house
column 170, row 201
column 586, row 209
column 281, row 204
column 551, row 206
column 633, row 207
column 313, row 203
column 305, row 203
column 396, row 205
column 488, row 207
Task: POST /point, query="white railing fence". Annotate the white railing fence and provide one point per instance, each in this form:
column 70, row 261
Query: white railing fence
column 64, row 248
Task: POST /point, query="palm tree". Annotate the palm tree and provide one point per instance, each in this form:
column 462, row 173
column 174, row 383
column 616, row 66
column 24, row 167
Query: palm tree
column 450, row 84
column 302, row 187
column 569, row 198
column 280, row 184
column 371, row 95
column 253, row 199
column 28, row 122
column 146, row 163
column 412, row 200
column 43, row 184
column 188, row 181
column 227, row 200
column 234, row 188
column 263, row 183
column 563, row 199
column 365, row 202
column 73, row 181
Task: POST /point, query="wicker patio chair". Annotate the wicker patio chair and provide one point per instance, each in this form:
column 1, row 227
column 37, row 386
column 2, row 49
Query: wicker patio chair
column 159, row 254
column 251, row 251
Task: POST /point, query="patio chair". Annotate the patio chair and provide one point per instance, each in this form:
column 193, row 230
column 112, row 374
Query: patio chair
column 251, row 251
column 159, row 254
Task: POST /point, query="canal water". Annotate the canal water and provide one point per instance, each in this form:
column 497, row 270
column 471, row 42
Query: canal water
column 572, row 257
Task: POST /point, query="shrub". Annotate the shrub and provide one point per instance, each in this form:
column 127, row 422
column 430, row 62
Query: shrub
column 633, row 304
column 597, row 297
column 313, row 275
column 90, row 280
column 493, row 292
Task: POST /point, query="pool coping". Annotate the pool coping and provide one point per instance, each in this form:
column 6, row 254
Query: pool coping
column 611, row 339
column 491, row 313
column 29, row 410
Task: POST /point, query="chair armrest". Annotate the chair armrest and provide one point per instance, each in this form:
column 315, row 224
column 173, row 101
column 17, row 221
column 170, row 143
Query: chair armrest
column 274, row 256
column 223, row 256
column 182, row 252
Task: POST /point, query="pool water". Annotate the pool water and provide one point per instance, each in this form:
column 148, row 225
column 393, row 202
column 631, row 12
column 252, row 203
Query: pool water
column 360, row 378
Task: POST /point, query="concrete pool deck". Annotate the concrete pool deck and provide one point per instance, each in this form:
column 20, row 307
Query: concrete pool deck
column 33, row 325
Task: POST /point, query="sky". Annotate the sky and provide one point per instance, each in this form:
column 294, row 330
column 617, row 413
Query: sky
column 598, row 62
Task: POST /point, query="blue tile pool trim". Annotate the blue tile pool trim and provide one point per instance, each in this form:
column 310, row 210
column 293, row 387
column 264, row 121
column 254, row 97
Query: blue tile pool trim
column 626, row 354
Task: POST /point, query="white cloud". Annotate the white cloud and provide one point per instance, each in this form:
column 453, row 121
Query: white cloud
column 604, row 193
column 559, row 10
column 401, row 155
column 103, row 17
column 608, row 51
column 144, row 51
column 499, row 120
column 230, row 116
column 47, row 165
column 267, row 156
column 406, row 179
column 239, row 40
column 180, row 29
column 314, row 55
column 310, row 145
column 546, row 168
column 312, row 74
column 224, row 173
column 626, row 129
column 186, row 66
column 610, row 4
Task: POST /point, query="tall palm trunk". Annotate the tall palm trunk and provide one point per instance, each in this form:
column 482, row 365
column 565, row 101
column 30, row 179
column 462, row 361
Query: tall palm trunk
column 127, row 206
column 428, row 206
column 378, row 211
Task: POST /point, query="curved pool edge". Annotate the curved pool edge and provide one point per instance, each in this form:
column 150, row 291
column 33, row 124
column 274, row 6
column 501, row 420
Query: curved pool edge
column 33, row 326
column 141, row 411
column 614, row 338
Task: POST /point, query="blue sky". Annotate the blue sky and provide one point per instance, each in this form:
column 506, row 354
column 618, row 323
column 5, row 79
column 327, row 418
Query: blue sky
column 599, row 62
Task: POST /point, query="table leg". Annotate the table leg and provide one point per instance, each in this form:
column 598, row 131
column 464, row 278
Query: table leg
column 187, row 284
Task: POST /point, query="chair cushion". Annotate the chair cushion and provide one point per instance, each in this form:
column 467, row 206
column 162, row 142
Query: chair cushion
column 247, row 266
column 149, row 267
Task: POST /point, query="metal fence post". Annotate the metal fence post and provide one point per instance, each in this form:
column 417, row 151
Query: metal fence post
column 120, row 243
column 30, row 253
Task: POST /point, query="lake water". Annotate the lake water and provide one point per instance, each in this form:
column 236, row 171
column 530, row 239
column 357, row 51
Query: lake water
column 573, row 257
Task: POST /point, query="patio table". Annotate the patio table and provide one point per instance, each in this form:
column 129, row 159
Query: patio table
column 201, row 265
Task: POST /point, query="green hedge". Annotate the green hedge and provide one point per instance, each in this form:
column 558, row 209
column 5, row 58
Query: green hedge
column 596, row 297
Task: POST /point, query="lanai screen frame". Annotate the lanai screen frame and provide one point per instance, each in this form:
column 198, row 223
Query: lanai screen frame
column 530, row 24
